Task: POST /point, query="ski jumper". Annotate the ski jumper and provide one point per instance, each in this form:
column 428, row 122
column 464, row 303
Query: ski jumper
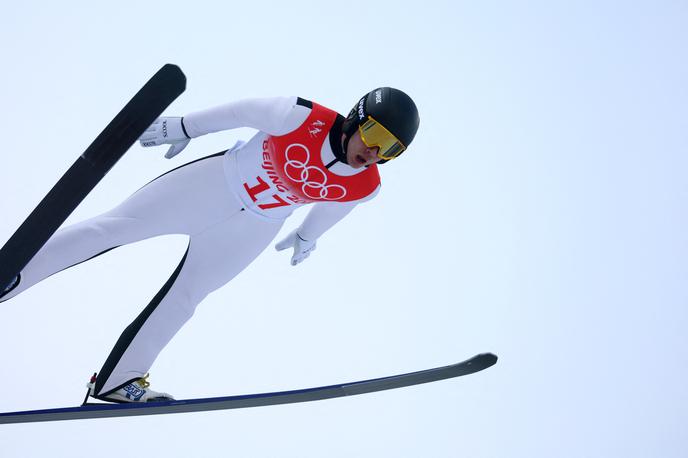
column 231, row 205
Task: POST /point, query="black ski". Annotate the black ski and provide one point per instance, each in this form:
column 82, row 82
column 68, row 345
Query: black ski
column 108, row 147
column 470, row 366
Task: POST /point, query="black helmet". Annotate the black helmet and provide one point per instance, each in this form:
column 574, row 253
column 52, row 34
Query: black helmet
column 390, row 107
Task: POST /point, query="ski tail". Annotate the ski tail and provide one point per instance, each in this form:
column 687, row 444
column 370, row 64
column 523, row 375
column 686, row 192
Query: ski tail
column 91, row 166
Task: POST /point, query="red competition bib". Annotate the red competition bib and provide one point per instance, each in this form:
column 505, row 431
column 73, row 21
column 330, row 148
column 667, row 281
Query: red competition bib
column 294, row 165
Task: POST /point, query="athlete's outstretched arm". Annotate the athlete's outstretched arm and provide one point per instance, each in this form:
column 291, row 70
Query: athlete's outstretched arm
column 273, row 115
column 321, row 217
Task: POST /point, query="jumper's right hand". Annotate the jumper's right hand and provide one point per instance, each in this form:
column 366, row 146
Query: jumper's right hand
column 166, row 131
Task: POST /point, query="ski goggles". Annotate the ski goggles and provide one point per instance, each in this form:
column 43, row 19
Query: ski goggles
column 374, row 134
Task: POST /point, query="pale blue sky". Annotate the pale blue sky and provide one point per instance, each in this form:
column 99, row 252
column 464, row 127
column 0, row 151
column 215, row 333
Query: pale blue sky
column 540, row 215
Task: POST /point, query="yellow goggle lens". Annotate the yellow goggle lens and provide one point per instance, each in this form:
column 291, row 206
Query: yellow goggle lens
column 374, row 134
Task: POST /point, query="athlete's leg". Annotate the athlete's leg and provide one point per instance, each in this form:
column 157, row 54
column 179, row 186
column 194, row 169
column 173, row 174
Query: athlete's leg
column 213, row 258
column 179, row 202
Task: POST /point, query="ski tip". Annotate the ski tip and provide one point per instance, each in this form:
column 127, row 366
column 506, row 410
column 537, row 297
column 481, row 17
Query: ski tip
column 172, row 72
column 172, row 68
column 486, row 359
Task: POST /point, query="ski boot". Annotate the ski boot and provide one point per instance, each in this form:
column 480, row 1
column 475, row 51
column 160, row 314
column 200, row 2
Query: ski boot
column 136, row 391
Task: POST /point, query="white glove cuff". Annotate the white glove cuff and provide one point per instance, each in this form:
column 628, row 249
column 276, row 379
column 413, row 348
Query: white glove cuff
column 173, row 130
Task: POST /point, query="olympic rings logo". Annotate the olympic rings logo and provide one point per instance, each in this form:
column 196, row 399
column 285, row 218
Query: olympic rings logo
column 313, row 178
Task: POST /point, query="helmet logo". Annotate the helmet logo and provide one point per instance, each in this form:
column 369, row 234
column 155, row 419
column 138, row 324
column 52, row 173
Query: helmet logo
column 378, row 96
column 361, row 110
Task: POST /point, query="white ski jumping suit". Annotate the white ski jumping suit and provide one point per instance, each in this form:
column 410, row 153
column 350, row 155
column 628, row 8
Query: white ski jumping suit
column 231, row 205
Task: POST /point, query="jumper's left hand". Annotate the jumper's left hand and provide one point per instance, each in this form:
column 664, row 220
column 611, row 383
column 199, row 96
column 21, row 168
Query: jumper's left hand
column 302, row 248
